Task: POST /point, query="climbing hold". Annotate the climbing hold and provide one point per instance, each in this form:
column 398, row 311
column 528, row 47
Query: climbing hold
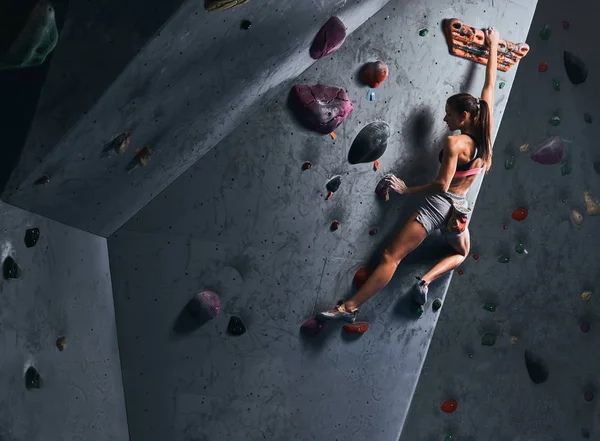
column 489, row 306
column 587, row 118
column 436, row 304
column 460, row 272
column 235, row 326
column 33, row 379
column 565, row 24
column 520, row 214
column 143, row 156
column 597, row 167
column 373, row 74
column 373, row 231
column 588, row 395
column 577, row 218
column 471, row 355
column 424, row 32
column 313, row 327
column 510, row 162
column 330, row 38
column 383, row 187
column 545, row 32
column 32, row 235
column 356, row 328
column 504, row 226
column 44, row 180
column 307, row 165
column 376, row 165
column 536, row 367
column 449, row 406
column 416, row 310
column 370, row 143
column 520, row 248
column 556, row 84
column 592, row 207
column 35, row 40
column 61, row 343
column 586, row 296
column 549, row 152
column 503, row 259
column 361, row 276
column 335, row 225
column 476, row 256
column 566, row 168
column 584, row 327
column 122, row 141
column 554, row 121
column 333, row 185
column 543, row 67
column 245, row 24
column 524, row 148
column 488, row 339
column 221, row 5
column 320, row 108
column 514, row 340
column 10, row 269
column 204, row 305
column 501, row 85
column 448, row 438
column 576, row 69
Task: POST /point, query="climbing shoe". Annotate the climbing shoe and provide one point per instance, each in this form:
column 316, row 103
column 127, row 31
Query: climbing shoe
column 420, row 290
column 338, row 313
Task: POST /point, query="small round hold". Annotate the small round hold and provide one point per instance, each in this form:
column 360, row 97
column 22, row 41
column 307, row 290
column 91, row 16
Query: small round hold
column 61, row 343
column 460, row 272
column 504, row 227
column 514, row 340
column 43, row 180
column 476, row 256
column 471, row 355
column 577, row 218
column 436, row 304
column 373, row 231
column 335, row 225
column 586, row 296
column 424, row 32
column 306, row 166
column 585, row 327
column 588, row 395
column 501, row 85
column 245, row 24
column 543, row 67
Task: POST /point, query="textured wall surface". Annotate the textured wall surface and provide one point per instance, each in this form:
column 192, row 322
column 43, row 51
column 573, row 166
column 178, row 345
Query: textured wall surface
column 538, row 294
column 246, row 222
column 64, row 290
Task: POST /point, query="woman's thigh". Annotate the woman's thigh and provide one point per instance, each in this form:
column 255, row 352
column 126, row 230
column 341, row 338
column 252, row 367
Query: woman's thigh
column 410, row 236
column 462, row 243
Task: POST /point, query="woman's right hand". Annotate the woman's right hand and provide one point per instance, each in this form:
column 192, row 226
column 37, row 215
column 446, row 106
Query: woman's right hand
column 492, row 36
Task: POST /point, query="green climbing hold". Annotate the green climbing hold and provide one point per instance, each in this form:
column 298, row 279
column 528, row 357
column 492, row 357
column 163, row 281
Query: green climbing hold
column 35, row 41
column 489, row 306
column 501, row 84
column 503, row 259
column 424, row 32
column 545, row 32
column 566, row 168
column 488, row 339
column 554, row 121
column 556, row 84
column 510, row 162
column 520, row 248
column 448, row 438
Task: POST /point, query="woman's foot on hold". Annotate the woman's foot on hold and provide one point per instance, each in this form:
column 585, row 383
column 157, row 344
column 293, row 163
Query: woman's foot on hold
column 338, row 313
column 420, row 290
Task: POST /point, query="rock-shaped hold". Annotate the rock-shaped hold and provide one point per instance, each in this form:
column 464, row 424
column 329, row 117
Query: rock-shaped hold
column 320, row 108
column 61, row 343
column 34, row 41
column 122, row 141
column 449, row 406
column 373, row 74
column 205, row 305
column 361, row 276
column 245, row 25
column 222, row 5
column 488, row 339
column 520, row 214
column 42, row 180
column 330, row 38
column 549, row 152
column 536, row 368
column 235, row 326
column 33, row 379
column 436, row 304
column 32, row 235
column 586, row 296
column 10, row 269
column 356, row 328
column 306, row 166
column 335, row 225
column 144, row 155
column 576, row 69
column 591, row 205
column 313, row 327
column 577, row 218
column 370, row 143
column 383, row 187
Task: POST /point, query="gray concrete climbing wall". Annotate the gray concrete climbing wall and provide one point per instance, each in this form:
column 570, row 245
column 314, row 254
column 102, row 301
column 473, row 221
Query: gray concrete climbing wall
column 539, row 294
column 248, row 223
column 64, row 290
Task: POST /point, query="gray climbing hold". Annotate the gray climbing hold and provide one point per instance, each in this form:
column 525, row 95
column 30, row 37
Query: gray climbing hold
column 370, row 144
column 436, row 304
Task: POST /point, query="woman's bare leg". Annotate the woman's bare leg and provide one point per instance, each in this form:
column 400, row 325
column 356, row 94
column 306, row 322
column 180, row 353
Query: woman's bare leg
column 408, row 238
column 461, row 245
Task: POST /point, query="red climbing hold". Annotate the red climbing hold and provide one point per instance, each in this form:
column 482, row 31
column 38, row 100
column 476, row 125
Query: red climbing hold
column 373, row 74
column 504, row 227
column 361, row 276
column 476, row 256
column 356, row 328
column 306, row 166
column 543, row 67
column 449, row 406
column 520, row 214
column 460, row 272
column 335, row 225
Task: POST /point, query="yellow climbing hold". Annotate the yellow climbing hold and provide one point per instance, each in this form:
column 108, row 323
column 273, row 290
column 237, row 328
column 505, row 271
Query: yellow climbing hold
column 514, row 340
column 592, row 207
column 577, row 218
column 524, row 148
column 586, row 295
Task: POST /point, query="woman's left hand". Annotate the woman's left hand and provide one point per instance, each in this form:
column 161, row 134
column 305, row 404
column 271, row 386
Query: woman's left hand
column 398, row 185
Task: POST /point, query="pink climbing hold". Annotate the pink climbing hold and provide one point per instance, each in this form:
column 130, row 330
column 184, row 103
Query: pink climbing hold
column 205, row 305
column 329, row 38
column 313, row 327
column 320, row 108
column 549, row 152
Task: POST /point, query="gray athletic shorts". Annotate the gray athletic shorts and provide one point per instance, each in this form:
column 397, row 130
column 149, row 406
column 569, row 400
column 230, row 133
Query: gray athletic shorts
column 435, row 211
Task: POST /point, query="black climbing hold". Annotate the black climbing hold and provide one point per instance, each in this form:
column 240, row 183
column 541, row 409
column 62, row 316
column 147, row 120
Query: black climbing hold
column 370, row 144
column 334, row 184
column 235, row 326
column 10, row 269
column 245, row 25
column 587, row 118
column 32, row 236
column 44, row 180
column 61, row 343
column 576, row 69
column 33, row 379
column 536, row 368
column 436, row 305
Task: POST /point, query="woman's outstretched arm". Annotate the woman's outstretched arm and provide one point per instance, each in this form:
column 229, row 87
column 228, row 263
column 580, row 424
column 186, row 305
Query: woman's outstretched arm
column 487, row 94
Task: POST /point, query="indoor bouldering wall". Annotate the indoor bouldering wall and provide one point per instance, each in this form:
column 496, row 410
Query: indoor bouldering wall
column 60, row 374
column 539, row 380
column 252, row 223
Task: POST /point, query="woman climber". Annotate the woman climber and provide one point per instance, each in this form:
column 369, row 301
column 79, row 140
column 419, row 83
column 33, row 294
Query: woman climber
column 463, row 157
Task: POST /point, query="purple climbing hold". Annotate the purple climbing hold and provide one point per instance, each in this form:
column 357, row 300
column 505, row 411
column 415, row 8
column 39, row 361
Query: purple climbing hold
column 576, row 69
column 549, row 152
column 320, row 108
column 313, row 327
column 329, row 38
column 205, row 305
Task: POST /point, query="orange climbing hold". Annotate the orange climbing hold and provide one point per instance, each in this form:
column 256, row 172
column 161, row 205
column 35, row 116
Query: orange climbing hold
column 356, row 328
column 361, row 276
column 376, row 165
column 333, row 135
column 520, row 214
column 449, row 406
